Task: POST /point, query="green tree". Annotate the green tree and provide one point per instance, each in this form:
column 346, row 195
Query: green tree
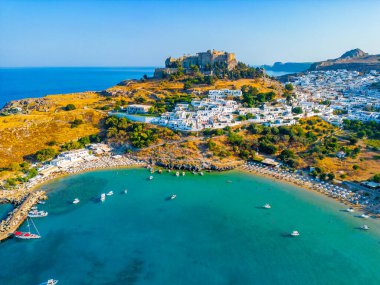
column 70, row 107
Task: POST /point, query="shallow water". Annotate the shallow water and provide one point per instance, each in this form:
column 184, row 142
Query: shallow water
column 214, row 232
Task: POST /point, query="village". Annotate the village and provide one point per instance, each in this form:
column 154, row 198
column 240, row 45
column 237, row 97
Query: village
column 331, row 95
column 336, row 95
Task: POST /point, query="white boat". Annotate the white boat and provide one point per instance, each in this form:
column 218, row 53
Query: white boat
column 295, row 234
column 364, row 216
column 201, row 173
column 37, row 214
column 103, row 197
column 177, row 173
column 151, row 177
column 50, row 282
column 350, row 210
column 110, row 193
column 365, row 227
column 183, row 173
column 172, row 197
column 41, row 202
column 267, row 206
column 27, row 234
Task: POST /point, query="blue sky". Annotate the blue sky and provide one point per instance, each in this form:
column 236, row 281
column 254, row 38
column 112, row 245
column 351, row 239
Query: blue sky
column 144, row 33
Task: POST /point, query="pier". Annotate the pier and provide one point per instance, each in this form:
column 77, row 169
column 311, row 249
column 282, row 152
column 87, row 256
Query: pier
column 19, row 214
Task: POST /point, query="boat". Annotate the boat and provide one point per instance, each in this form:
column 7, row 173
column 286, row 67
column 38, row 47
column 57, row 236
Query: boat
column 110, row 193
column 151, row 177
column 34, row 208
column 76, row 201
column 295, row 234
column 41, row 202
column 350, row 210
column 172, row 197
column 201, row 173
column 50, row 282
column 37, row 214
column 194, row 172
column 103, row 197
column 183, row 173
column 177, row 173
column 27, row 234
column 125, row 191
column 267, row 206
column 364, row 216
column 365, row 227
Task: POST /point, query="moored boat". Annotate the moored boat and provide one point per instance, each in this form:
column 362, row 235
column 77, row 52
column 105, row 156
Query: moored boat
column 267, row 206
column 201, row 173
column 103, row 197
column 172, row 197
column 294, row 233
column 365, row 227
column 364, row 216
column 37, row 214
column 76, row 201
column 110, row 193
column 151, row 177
column 27, row 234
column 183, row 173
column 177, row 173
column 350, row 210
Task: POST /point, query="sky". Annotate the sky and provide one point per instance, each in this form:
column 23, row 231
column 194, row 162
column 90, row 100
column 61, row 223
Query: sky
column 144, row 33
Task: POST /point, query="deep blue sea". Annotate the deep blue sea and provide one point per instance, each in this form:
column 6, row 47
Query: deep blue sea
column 214, row 233
column 19, row 83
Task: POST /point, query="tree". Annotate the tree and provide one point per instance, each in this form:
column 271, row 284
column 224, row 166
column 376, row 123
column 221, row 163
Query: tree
column 187, row 85
column 331, row 176
column 297, row 110
column 45, row 154
column 376, row 178
column 70, row 107
column 289, row 87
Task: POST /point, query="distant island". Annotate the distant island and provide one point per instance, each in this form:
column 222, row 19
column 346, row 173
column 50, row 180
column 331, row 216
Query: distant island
column 292, row 67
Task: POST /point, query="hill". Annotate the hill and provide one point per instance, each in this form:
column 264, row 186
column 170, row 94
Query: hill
column 355, row 59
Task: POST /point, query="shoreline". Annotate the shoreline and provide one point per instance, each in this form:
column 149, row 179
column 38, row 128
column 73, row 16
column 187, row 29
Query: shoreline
column 308, row 184
column 32, row 189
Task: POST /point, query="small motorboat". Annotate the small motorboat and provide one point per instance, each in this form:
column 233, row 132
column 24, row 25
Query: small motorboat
column 294, row 233
column 350, row 210
column 41, row 202
column 76, row 201
column 267, row 206
column 151, row 177
column 34, row 208
column 201, row 173
column 37, row 214
column 103, row 197
column 365, row 227
column 183, row 173
column 177, row 174
column 50, row 282
column 172, row 197
column 110, row 193
column 364, row 216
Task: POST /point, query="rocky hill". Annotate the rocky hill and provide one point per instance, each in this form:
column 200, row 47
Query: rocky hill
column 355, row 59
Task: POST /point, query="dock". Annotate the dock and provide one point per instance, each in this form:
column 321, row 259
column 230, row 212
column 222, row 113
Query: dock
column 19, row 214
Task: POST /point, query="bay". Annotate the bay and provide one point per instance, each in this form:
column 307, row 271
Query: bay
column 214, row 232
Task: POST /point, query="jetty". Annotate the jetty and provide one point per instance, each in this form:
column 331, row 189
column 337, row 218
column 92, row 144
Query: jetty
column 19, row 214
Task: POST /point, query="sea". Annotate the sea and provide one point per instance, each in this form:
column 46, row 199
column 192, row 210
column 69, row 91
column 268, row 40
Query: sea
column 20, row 83
column 33, row 82
column 215, row 232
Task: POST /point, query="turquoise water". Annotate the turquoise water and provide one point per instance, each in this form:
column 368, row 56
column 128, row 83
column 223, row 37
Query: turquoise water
column 214, row 232
column 19, row 83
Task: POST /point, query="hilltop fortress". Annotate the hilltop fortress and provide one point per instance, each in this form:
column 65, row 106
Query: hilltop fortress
column 204, row 60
